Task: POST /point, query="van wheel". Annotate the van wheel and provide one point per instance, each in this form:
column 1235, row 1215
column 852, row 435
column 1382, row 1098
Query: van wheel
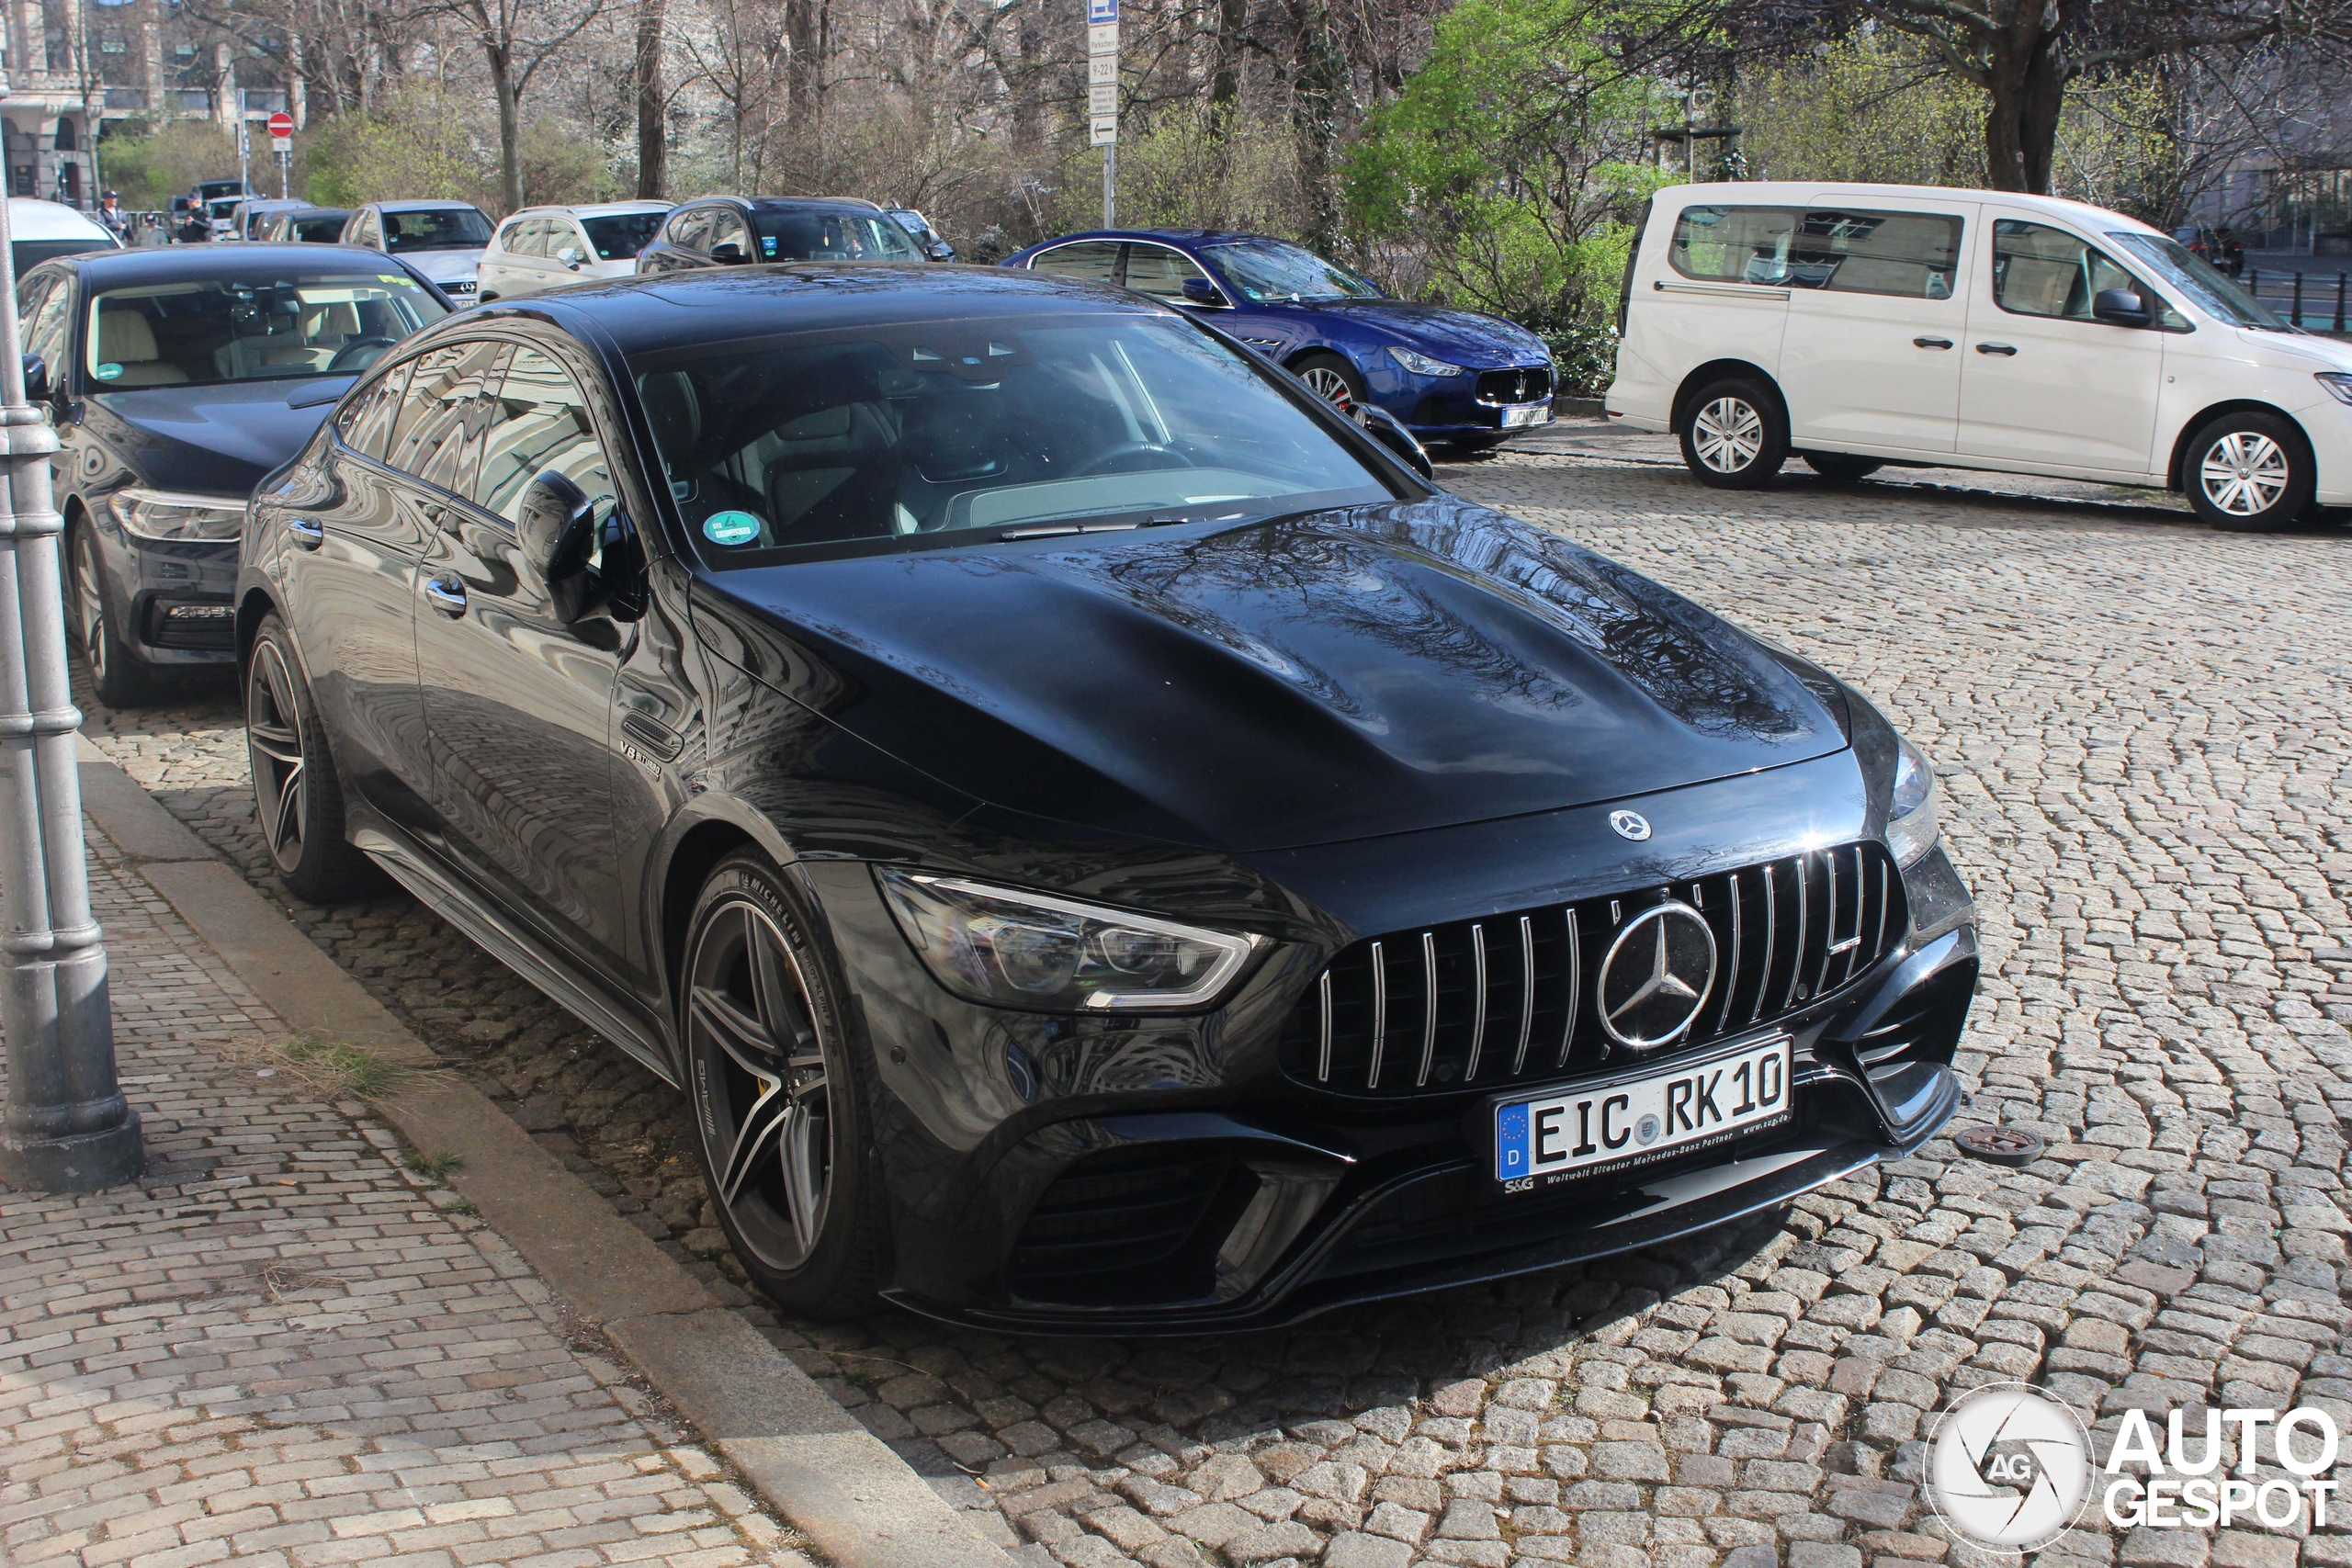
column 1838, row 469
column 2251, row 472
column 1734, row 436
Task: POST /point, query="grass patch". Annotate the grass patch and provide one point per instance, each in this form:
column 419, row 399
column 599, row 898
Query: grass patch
column 433, row 1166
column 332, row 1069
column 462, row 1206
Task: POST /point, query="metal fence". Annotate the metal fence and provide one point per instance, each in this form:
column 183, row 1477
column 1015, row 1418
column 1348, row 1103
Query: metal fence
column 2315, row 301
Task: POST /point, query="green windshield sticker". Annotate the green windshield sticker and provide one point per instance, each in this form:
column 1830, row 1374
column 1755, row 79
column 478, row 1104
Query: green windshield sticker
column 107, row 372
column 730, row 528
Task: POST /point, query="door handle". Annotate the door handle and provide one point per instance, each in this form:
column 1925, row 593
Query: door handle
column 306, row 533
column 446, row 594
column 2006, row 350
column 1931, row 343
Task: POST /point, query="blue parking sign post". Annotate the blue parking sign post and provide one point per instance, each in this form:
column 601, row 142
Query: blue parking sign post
column 1103, row 97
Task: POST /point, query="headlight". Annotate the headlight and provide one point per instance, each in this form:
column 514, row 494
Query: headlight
column 2339, row 385
column 1421, row 364
column 164, row 514
column 1014, row 949
column 1911, row 815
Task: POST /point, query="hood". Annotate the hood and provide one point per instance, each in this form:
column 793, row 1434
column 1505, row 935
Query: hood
column 1350, row 674
column 1462, row 336
column 2296, row 348
column 213, row 440
column 445, row 267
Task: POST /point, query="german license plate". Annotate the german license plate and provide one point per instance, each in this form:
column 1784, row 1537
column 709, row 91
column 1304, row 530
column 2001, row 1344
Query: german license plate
column 1635, row 1119
column 1518, row 416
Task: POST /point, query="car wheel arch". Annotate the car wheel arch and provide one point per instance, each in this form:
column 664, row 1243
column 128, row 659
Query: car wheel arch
column 251, row 608
column 717, row 829
column 1686, row 396
column 2176, row 470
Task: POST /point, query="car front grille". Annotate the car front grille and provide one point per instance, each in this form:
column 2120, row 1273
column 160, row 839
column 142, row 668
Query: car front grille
column 1528, row 384
column 1516, row 998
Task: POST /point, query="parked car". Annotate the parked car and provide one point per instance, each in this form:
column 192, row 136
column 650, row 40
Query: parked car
column 2219, row 247
column 175, row 378
column 925, row 237
column 546, row 247
column 723, row 230
column 308, row 226
column 445, row 239
column 41, row 230
column 249, row 220
column 1457, row 376
column 1101, row 842
column 1862, row 325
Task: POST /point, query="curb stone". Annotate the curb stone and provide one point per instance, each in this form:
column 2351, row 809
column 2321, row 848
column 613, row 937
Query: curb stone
column 855, row 1498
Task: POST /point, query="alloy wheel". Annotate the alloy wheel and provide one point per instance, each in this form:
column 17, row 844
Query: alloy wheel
column 760, row 1083
column 273, row 747
column 1331, row 386
column 90, row 609
column 1728, row 432
column 2244, row 473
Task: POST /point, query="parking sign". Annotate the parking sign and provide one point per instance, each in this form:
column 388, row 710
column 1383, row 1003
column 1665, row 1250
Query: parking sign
column 1101, row 11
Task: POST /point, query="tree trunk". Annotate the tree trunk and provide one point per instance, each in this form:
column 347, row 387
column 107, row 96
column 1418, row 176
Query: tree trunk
column 652, row 130
column 800, row 73
column 510, row 122
column 2026, row 85
column 1316, row 90
column 1224, row 84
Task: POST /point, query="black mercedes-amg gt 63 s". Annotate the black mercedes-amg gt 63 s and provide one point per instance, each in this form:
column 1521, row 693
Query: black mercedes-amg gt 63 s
column 1102, row 843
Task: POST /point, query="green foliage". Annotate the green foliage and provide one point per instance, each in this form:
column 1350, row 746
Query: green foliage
column 1511, row 168
column 1871, row 107
column 149, row 161
column 423, row 144
column 1190, row 167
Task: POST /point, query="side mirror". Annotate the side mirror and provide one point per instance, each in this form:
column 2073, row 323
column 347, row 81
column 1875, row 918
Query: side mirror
column 557, row 528
column 2121, row 307
column 36, row 378
column 1201, row 291
column 568, row 256
column 1386, row 429
column 728, row 254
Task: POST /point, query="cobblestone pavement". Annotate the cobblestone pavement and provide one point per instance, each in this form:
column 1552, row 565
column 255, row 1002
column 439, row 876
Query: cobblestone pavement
column 2139, row 729
column 283, row 1347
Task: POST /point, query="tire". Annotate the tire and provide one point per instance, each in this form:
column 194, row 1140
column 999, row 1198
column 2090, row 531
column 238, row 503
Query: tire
column 1332, row 378
column 769, row 1058
column 1734, row 436
column 2249, row 472
column 297, row 795
column 119, row 676
column 1838, row 469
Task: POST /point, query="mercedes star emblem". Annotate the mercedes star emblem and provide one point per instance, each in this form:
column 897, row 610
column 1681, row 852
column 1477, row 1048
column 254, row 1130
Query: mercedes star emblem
column 1632, row 824
column 1657, row 975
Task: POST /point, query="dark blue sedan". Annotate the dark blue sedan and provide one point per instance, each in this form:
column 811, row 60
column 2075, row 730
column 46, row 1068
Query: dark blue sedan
column 1458, row 376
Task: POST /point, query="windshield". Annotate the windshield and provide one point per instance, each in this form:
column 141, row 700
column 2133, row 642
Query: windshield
column 246, row 329
column 318, row 230
column 916, row 435
column 436, row 229
column 621, row 235
column 833, row 236
column 2195, row 277
column 1271, row 270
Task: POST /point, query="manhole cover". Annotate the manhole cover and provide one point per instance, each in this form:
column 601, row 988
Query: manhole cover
column 1998, row 1145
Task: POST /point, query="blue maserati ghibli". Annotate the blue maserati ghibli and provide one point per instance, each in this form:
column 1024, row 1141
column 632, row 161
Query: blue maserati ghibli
column 1457, row 376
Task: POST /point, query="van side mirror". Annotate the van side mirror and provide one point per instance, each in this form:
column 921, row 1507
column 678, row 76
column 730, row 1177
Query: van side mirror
column 2120, row 308
column 727, row 252
column 557, row 528
column 1201, row 291
column 36, row 387
column 1386, row 429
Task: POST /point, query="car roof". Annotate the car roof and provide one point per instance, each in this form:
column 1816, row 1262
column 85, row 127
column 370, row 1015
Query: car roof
column 793, row 203
column 1180, row 236
column 596, row 208
column 31, row 219
column 1762, row 193
column 167, row 264
column 688, row 309
column 422, row 205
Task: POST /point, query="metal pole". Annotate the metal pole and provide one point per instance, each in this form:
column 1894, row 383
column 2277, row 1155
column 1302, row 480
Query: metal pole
column 2339, row 301
column 2297, row 319
column 1110, row 184
column 68, row 1128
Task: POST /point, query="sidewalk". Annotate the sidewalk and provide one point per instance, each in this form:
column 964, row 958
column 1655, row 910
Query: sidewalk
column 284, row 1346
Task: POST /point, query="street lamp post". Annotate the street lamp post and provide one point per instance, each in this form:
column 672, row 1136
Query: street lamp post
column 68, row 1128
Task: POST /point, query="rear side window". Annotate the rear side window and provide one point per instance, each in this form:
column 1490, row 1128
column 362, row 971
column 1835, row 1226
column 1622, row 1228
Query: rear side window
column 1734, row 244
column 690, row 228
column 1091, row 261
column 517, row 237
column 1913, row 254
column 366, row 421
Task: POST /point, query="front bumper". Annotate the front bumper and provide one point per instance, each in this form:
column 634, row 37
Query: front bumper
column 172, row 601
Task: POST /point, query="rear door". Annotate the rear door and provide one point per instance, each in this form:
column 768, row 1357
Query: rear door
column 1877, row 306
column 1724, row 293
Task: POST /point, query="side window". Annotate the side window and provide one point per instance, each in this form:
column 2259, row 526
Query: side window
column 1158, row 271
column 540, row 422
column 370, row 232
column 442, row 418
column 564, row 235
column 366, row 421
column 1734, row 244
column 46, row 334
column 689, row 228
column 2041, row 271
column 1092, row 261
column 1914, row 255
column 727, row 227
column 517, row 237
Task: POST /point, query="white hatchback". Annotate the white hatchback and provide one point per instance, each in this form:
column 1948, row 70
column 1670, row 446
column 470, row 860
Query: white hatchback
column 546, row 247
column 1858, row 326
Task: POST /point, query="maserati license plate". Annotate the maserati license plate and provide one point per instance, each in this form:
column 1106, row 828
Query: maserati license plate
column 1639, row 1117
column 1518, row 416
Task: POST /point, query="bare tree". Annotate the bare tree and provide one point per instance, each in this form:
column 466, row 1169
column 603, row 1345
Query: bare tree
column 517, row 37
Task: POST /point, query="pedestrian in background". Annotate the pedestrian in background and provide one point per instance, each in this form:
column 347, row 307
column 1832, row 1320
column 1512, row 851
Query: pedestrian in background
column 110, row 213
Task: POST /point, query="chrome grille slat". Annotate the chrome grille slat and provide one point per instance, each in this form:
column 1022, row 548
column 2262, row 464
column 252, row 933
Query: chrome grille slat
column 1459, row 976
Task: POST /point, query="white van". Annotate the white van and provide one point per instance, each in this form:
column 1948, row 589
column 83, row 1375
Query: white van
column 1860, row 325
column 39, row 230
